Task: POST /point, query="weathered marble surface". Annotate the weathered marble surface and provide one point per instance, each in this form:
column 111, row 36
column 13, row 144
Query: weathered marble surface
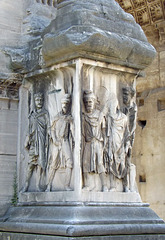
column 89, row 132
column 8, row 156
column 82, row 50
column 97, row 29
column 79, row 29
column 84, row 221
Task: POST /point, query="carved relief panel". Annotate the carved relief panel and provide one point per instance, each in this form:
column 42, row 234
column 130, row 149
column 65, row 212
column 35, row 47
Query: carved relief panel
column 47, row 148
column 78, row 130
column 108, row 129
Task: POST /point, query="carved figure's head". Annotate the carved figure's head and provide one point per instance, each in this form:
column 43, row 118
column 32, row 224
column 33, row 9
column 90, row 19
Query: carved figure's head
column 128, row 94
column 65, row 102
column 89, row 99
column 38, row 99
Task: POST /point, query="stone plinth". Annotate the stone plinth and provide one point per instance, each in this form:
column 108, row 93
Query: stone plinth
column 82, row 221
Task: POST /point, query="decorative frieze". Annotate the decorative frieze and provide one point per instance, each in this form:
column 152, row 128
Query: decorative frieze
column 142, row 17
column 139, row 3
column 126, row 5
column 145, row 12
column 156, row 12
column 149, row 14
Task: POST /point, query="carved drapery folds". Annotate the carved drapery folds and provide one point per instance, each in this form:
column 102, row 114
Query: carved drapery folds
column 37, row 141
column 49, row 139
column 62, row 139
column 108, row 136
column 62, row 121
column 93, row 132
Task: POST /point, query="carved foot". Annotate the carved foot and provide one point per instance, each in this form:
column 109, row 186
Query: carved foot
column 105, row 189
column 112, row 189
column 39, row 189
column 133, row 191
column 48, row 189
column 125, row 189
column 87, row 188
column 67, row 188
column 25, row 188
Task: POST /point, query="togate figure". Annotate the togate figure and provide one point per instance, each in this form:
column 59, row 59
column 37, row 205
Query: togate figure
column 37, row 141
column 118, row 143
column 94, row 134
column 62, row 138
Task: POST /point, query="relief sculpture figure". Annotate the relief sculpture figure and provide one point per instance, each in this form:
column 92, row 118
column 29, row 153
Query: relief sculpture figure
column 130, row 110
column 94, row 134
column 37, row 142
column 118, row 144
column 62, row 132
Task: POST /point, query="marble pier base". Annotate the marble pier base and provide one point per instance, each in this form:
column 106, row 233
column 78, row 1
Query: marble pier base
column 82, row 221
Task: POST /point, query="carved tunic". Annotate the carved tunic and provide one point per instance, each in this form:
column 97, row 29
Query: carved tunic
column 131, row 113
column 93, row 151
column 62, row 128
column 38, row 138
column 118, row 141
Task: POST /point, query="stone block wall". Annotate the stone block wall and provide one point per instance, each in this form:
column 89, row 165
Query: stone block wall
column 8, row 150
column 154, row 74
column 11, row 16
column 10, row 29
column 10, row 24
column 149, row 150
column 149, row 142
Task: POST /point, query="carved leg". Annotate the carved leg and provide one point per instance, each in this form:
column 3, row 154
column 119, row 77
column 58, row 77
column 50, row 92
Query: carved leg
column 87, row 186
column 103, row 182
column 28, row 177
column 125, row 183
column 86, row 181
column 112, row 183
column 132, row 177
column 67, row 179
column 51, row 177
column 39, row 175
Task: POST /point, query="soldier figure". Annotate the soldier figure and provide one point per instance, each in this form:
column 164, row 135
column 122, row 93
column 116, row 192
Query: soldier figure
column 118, row 144
column 93, row 132
column 37, row 141
column 62, row 137
column 130, row 110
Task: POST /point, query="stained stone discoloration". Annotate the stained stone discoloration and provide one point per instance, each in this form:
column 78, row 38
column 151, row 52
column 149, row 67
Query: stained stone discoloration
column 96, row 29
